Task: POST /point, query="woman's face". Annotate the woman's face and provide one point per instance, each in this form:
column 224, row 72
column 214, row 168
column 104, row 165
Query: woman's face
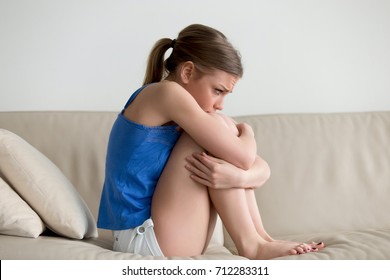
column 210, row 89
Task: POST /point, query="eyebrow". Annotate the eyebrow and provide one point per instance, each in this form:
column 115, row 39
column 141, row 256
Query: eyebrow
column 225, row 88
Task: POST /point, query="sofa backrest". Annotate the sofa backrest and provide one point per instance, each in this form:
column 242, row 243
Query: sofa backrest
column 75, row 141
column 329, row 172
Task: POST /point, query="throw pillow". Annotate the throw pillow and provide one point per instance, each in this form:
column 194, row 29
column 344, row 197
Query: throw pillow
column 16, row 217
column 45, row 188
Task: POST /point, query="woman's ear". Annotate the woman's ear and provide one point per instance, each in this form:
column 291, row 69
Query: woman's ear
column 187, row 71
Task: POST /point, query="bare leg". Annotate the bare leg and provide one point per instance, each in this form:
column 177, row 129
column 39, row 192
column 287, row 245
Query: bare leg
column 255, row 214
column 212, row 222
column 182, row 213
column 184, row 218
column 256, row 218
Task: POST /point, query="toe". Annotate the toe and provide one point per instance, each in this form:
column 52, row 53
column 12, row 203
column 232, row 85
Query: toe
column 294, row 252
column 319, row 245
column 315, row 246
column 300, row 250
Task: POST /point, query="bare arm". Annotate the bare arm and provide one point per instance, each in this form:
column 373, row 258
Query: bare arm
column 219, row 174
column 208, row 131
column 216, row 173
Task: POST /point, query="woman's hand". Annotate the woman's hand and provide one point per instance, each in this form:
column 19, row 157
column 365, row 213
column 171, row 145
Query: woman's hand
column 213, row 172
column 219, row 174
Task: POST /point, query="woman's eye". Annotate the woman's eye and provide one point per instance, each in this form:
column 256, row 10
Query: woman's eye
column 218, row 91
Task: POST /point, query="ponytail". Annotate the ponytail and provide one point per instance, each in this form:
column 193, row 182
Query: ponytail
column 206, row 47
column 155, row 70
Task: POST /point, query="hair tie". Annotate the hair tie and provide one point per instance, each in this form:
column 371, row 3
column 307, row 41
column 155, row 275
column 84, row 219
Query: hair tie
column 173, row 43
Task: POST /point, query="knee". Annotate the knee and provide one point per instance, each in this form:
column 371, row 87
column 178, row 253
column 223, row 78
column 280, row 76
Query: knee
column 229, row 122
column 266, row 171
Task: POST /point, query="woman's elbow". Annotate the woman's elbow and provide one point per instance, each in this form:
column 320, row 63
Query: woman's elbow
column 247, row 162
column 266, row 171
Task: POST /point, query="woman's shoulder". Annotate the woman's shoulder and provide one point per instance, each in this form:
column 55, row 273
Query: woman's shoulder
column 170, row 91
column 168, row 87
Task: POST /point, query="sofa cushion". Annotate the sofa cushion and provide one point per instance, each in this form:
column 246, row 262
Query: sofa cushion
column 16, row 217
column 44, row 187
column 55, row 248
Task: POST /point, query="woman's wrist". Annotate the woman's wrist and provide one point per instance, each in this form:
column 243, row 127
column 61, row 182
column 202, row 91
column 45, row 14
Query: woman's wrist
column 242, row 178
column 255, row 176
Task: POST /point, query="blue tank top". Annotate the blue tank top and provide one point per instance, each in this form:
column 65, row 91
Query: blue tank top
column 136, row 156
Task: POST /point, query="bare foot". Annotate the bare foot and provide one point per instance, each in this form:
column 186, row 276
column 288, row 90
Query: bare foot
column 314, row 246
column 302, row 248
column 275, row 249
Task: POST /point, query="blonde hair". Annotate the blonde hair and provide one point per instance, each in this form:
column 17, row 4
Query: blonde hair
column 206, row 47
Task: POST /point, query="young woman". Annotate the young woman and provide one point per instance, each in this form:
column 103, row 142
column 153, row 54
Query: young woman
column 149, row 199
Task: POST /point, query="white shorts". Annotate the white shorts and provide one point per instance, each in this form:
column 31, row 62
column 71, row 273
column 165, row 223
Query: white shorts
column 139, row 240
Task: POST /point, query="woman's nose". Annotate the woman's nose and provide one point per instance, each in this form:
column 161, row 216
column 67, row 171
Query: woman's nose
column 219, row 105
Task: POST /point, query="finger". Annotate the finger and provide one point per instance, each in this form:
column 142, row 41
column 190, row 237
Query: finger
column 201, row 181
column 209, row 161
column 195, row 171
column 197, row 164
column 210, row 157
column 200, row 163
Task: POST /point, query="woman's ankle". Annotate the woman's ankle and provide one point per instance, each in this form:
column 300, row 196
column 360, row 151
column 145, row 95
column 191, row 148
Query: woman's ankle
column 248, row 247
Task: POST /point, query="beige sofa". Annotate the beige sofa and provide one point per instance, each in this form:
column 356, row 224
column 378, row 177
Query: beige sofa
column 330, row 182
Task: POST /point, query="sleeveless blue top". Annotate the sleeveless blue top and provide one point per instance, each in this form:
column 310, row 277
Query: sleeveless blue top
column 136, row 157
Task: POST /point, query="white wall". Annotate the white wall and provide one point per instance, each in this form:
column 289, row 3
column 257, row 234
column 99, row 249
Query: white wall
column 299, row 56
